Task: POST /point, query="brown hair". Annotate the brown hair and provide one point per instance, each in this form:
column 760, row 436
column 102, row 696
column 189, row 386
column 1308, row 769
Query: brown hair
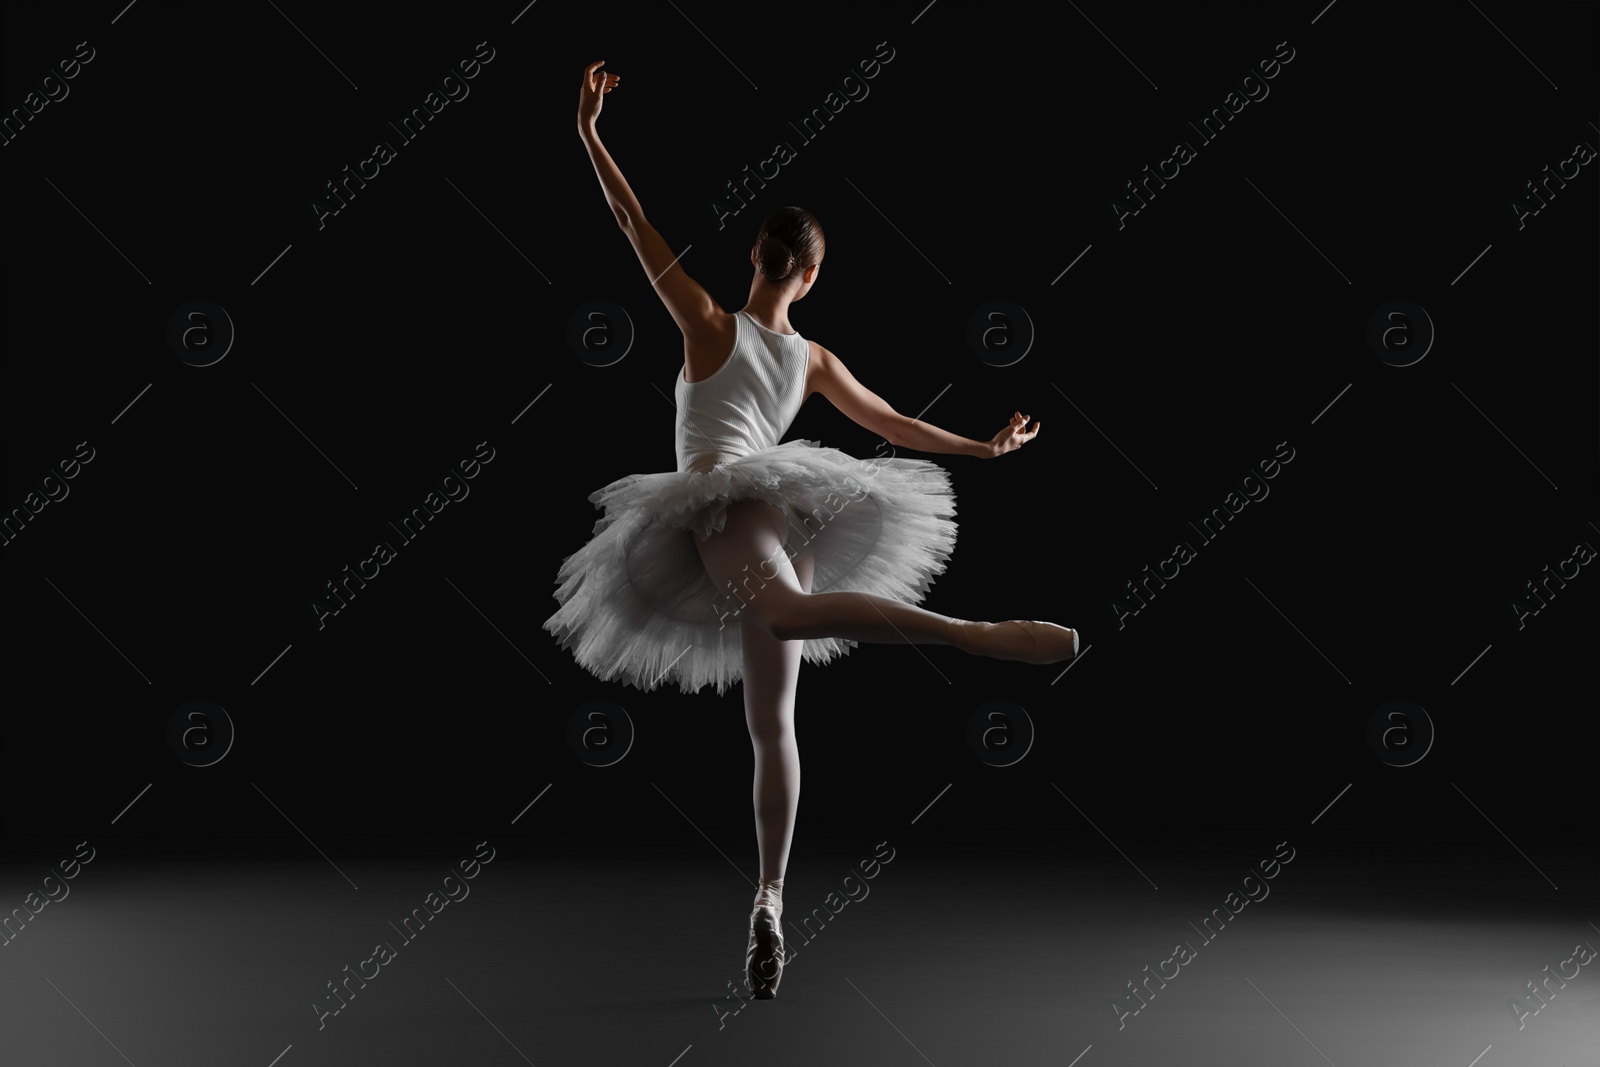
column 788, row 243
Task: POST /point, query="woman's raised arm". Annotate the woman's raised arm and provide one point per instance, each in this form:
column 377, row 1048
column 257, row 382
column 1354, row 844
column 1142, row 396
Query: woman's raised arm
column 691, row 306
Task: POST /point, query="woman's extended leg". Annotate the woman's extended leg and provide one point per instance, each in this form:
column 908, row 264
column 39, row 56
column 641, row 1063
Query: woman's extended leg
column 747, row 560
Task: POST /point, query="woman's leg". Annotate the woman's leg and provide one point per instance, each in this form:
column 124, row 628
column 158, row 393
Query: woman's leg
column 747, row 560
column 771, row 673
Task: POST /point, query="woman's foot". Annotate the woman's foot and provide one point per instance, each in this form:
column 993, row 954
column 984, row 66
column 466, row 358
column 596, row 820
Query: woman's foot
column 763, row 967
column 1025, row 641
column 764, row 955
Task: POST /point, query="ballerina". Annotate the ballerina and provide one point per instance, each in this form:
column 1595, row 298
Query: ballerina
column 754, row 555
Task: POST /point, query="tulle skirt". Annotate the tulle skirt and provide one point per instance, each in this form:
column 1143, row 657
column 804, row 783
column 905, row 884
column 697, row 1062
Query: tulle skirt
column 637, row 606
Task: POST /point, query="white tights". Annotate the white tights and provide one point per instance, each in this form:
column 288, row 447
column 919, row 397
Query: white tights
column 772, row 625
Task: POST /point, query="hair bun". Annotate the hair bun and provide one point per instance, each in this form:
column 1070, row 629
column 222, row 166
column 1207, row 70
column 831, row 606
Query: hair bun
column 777, row 259
column 789, row 242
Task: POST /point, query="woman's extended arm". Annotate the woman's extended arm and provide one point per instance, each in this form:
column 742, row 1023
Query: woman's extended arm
column 861, row 405
column 691, row 306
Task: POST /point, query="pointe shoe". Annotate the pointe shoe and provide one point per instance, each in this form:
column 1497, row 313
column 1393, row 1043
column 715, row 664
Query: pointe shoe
column 764, row 956
column 1027, row 641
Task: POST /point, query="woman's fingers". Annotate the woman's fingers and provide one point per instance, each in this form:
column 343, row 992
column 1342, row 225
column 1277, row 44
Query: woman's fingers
column 601, row 83
column 1017, row 433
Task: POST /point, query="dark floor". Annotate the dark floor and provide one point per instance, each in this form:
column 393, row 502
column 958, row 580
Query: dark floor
column 954, row 953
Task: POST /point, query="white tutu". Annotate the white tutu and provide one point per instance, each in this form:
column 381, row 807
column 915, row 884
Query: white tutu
column 638, row 607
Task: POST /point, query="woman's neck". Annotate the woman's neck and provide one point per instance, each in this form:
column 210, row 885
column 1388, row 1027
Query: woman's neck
column 769, row 307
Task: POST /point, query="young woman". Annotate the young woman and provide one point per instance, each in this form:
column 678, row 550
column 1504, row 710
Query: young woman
column 754, row 555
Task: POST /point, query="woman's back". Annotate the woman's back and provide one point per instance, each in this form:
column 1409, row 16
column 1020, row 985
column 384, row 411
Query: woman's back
column 748, row 404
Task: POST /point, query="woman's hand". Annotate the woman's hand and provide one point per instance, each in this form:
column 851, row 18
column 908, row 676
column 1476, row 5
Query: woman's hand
column 1013, row 436
column 591, row 92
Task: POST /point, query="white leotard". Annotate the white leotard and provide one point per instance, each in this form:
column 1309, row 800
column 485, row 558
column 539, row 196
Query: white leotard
column 748, row 404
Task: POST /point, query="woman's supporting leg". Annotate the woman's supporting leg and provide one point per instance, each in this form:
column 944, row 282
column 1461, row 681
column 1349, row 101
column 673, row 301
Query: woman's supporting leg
column 771, row 674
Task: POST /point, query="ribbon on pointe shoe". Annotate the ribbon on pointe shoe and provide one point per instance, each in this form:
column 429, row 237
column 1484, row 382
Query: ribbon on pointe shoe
column 769, row 891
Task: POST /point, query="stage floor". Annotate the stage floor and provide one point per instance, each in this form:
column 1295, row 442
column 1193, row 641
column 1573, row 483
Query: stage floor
column 958, row 950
